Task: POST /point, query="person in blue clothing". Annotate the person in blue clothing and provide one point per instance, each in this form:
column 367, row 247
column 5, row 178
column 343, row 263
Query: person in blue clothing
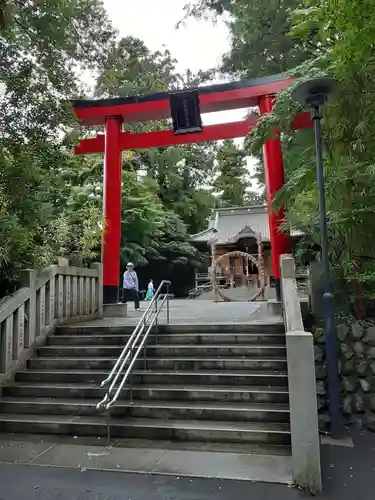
column 150, row 290
column 130, row 285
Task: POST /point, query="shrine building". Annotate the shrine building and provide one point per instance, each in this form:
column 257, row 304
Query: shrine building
column 238, row 229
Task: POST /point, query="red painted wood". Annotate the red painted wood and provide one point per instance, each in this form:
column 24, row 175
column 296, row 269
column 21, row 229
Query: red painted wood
column 137, row 112
column 239, row 98
column 160, row 109
column 111, row 240
column 274, row 170
column 165, row 138
column 92, row 145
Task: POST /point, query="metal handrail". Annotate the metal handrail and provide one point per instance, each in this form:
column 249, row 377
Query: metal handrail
column 116, row 371
column 135, row 357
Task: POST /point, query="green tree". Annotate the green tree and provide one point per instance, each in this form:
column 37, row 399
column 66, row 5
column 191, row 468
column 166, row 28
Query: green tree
column 254, row 197
column 142, row 220
column 184, row 177
column 43, row 47
column 4, row 13
column 348, row 124
column 260, row 42
column 39, row 225
column 231, row 182
column 131, row 69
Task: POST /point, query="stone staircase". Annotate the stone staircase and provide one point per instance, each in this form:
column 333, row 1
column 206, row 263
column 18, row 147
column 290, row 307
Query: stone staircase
column 218, row 385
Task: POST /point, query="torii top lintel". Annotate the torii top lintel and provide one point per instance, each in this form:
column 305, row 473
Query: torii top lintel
column 220, row 97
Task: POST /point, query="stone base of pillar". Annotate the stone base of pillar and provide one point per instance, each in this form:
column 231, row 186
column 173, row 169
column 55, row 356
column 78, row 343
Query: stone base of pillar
column 278, row 289
column 110, row 294
column 115, row 310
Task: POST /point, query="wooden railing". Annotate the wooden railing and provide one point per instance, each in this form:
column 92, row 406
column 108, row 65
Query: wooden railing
column 57, row 294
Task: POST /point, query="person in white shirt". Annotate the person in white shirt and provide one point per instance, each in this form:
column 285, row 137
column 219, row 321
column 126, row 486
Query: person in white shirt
column 150, row 290
column 130, row 286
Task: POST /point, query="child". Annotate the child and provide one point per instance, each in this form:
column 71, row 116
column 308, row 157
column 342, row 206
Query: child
column 150, row 290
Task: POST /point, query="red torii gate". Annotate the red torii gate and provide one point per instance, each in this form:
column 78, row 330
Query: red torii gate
column 184, row 107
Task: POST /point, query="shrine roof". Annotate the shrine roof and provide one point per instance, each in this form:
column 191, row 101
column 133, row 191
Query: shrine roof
column 156, row 106
column 228, row 225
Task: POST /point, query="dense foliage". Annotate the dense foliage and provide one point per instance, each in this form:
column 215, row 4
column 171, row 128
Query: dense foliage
column 230, row 181
column 51, row 201
column 310, row 38
column 43, row 47
column 260, row 43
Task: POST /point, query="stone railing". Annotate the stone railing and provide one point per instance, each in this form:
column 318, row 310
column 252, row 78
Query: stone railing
column 302, row 385
column 57, row 294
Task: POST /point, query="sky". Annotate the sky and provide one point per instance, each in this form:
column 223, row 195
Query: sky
column 197, row 45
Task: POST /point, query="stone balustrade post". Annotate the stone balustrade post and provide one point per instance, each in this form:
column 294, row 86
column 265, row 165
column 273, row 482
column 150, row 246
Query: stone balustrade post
column 28, row 279
column 40, row 310
column 99, row 289
column 19, row 332
column 50, row 301
column 74, row 296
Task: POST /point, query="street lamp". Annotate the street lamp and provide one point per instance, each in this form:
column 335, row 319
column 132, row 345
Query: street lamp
column 314, row 93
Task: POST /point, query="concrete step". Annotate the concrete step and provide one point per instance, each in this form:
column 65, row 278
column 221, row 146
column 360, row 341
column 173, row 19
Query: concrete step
column 243, row 448
column 216, row 350
column 191, row 327
column 221, row 338
column 255, row 394
column 89, row 351
column 170, row 363
column 108, row 351
column 117, row 340
column 172, row 338
column 164, row 377
column 231, row 412
column 215, row 363
column 176, row 430
column 103, row 364
column 162, row 410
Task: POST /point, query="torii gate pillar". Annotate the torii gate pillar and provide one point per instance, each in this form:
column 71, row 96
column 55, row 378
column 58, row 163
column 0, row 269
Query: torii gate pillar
column 274, row 173
column 111, row 239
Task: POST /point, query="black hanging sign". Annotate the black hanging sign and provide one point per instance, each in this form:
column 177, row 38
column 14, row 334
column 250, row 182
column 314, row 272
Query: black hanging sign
column 185, row 112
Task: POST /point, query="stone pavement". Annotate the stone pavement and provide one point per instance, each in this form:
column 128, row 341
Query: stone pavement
column 186, row 311
column 245, row 462
column 40, row 483
column 348, row 473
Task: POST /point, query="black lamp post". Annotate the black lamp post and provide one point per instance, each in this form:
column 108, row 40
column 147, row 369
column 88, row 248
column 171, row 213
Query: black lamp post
column 314, row 93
